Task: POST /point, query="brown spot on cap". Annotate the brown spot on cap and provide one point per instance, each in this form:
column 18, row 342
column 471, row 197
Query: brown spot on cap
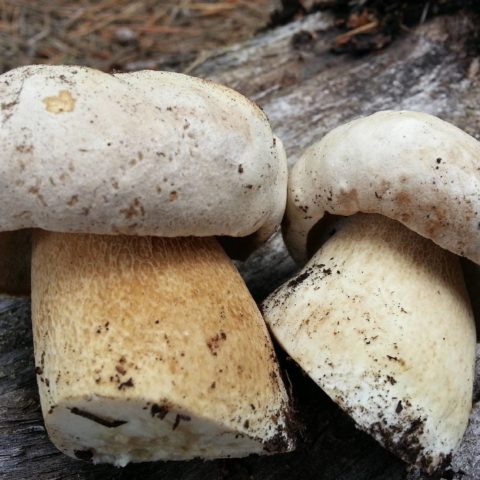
column 62, row 103
column 73, row 200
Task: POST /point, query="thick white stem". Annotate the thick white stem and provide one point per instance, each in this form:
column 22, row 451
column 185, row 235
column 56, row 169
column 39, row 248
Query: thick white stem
column 380, row 319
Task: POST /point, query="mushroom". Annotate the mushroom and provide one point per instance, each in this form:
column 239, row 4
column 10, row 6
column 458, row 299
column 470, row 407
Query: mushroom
column 379, row 317
column 147, row 342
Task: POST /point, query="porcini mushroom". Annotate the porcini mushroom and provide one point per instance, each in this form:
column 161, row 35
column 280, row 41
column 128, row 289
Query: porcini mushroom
column 379, row 317
column 146, row 347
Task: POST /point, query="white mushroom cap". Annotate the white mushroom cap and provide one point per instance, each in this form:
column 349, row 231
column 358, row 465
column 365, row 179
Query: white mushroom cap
column 408, row 166
column 145, row 153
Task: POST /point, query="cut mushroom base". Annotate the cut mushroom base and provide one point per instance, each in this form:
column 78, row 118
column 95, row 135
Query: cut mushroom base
column 149, row 348
column 380, row 319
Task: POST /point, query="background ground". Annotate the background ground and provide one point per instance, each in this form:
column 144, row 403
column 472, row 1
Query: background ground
column 126, row 35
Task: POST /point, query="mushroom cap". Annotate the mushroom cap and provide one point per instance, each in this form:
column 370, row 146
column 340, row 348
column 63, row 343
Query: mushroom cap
column 411, row 167
column 145, row 153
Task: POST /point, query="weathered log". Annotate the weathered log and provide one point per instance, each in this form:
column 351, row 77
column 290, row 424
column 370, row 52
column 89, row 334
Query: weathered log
column 306, row 90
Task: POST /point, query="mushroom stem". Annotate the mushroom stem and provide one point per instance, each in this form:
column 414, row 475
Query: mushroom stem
column 15, row 263
column 151, row 348
column 380, row 319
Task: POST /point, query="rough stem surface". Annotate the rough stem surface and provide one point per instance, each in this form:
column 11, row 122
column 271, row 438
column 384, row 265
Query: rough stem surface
column 149, row 348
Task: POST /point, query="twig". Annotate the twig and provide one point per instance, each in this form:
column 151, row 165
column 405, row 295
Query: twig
column 426, row 8
column 368, row 27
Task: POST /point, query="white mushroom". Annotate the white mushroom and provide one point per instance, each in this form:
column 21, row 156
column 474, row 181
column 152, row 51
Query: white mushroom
column 379, row 317
column 146, row 347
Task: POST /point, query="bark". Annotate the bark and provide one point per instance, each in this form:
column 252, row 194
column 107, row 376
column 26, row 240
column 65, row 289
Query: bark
column 306, row 91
